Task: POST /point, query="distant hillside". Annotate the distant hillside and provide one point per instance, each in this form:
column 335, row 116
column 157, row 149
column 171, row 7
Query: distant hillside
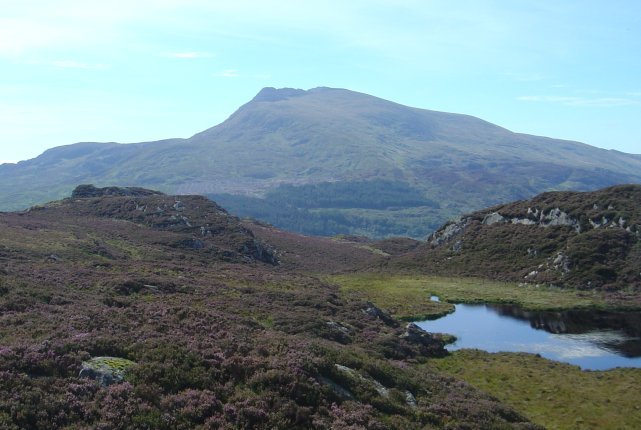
column 342, row 148
column 589, row 240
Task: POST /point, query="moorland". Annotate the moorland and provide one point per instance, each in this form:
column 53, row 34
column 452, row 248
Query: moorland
column 234, row 323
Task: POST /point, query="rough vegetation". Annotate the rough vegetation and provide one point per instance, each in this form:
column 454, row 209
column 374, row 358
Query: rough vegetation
column 589, row 240
column 222, row 336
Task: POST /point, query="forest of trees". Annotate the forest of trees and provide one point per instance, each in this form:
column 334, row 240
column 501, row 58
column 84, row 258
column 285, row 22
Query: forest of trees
column 332, row 208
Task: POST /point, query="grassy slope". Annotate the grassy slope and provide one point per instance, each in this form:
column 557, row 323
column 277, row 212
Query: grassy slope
column 555, row 395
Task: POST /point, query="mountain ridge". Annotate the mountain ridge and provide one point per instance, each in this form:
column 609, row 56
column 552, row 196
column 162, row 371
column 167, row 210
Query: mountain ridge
column 325, row 135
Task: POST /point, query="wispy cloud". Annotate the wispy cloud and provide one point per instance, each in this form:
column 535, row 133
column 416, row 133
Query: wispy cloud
column 583, row 101
column 228, row 73
column 72, row 64
column 188, row 55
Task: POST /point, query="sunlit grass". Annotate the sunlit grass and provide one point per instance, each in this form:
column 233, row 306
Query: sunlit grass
column 556, row 395
column 408, row 297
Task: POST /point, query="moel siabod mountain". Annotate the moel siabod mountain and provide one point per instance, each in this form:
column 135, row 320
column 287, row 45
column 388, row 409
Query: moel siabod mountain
column 319, row 162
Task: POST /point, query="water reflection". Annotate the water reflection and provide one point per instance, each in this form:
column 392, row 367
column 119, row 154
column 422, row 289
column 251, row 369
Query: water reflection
column 590, row 339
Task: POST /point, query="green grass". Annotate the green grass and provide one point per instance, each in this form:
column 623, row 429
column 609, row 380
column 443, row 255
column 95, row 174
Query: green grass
column 408, row 297
column 556, row 395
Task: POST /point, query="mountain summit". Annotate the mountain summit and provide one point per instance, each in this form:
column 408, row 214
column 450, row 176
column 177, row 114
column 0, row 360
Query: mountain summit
column 332, row 141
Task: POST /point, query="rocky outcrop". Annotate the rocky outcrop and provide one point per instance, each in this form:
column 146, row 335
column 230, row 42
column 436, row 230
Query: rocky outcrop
column 584, row 240
column 429, row 344
column 199, row 224
column 555, row 217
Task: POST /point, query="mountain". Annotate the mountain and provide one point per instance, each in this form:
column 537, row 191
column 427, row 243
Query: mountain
column 124, row 308
column 319, row 162
column 583, row 240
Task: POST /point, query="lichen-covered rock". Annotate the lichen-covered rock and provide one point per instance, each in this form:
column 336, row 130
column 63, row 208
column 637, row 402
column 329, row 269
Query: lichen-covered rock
column 105, row 370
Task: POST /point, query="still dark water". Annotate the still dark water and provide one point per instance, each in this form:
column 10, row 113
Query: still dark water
column 594, row 340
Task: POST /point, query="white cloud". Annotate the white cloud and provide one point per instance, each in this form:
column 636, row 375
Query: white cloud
column 228, row 73
column 583, row 101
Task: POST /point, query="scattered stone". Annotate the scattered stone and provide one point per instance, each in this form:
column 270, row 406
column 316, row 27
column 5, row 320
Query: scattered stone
column 561, row 262
column 429, row 344
column 338, row 332
column 410, row 399
column 493, row 218
column 522, row 221
column 54, row 258
column 450, row 230
column 371, row 310
column 380, row 388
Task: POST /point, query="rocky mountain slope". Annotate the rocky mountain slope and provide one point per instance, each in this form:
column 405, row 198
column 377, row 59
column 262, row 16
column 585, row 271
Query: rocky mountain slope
column 323, row 158
column 126, row 308
column 586, row 240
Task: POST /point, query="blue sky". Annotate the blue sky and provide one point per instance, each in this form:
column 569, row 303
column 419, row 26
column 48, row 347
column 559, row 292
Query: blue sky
column 136, row 70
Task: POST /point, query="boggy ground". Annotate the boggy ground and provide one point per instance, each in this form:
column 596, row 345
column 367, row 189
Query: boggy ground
column 553, row 394
column 222, row 333
column 556, row 395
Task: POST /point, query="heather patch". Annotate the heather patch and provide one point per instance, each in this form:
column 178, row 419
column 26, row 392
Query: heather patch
column 218, row 341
